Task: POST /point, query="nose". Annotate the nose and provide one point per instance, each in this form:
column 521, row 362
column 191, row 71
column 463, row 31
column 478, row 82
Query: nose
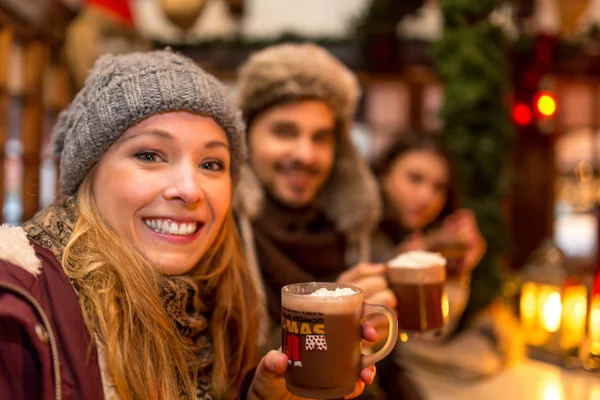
column 425, row 193
column 305, row 151
column 185, row 185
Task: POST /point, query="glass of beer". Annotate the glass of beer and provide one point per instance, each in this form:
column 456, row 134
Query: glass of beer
column 322, row 338
column 418, row 279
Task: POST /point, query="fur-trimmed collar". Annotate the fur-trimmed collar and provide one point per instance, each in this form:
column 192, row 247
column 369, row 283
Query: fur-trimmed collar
column 350, row 198
column 16, row 249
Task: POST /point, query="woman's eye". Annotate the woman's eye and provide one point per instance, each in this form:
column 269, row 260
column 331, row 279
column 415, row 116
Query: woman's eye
column 415, row 178
column 212, row 165
column 148, row 156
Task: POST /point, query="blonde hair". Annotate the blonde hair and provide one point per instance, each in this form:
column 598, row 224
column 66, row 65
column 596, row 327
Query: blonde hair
column 119, row 296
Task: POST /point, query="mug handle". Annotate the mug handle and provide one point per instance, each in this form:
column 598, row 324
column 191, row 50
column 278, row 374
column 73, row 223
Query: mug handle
column 369, row 359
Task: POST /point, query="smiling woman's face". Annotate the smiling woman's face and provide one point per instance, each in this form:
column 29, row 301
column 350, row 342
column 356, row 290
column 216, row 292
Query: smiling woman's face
column 165, row 187
column 416, row 186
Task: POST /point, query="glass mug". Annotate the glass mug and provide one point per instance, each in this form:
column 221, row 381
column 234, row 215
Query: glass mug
column 418, row 279
column 454, row 253
column 322, row 338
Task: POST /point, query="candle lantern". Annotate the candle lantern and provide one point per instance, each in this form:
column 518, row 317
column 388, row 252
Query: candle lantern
column 553, row 307
column 590, row 351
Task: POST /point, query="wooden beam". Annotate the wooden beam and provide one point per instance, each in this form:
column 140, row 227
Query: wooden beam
column 35, row 59
column 6, row 40
column 59, row 95
column 47, row 20
column 4, row 101
column 416, row 103
column 57, row 88
column 532, row 195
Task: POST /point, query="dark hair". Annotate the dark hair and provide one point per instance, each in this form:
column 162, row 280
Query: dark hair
column 411, row 141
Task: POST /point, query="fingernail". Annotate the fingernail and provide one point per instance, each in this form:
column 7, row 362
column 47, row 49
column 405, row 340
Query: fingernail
column 372, row 376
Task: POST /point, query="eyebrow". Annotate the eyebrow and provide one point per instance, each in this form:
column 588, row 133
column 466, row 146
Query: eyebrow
column 278, row 123
column 154, row 132
column 216, row 143
column 164, row 135
column 294, row 125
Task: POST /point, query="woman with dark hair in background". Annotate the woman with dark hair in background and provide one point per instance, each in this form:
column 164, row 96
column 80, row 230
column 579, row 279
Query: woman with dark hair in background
column 421, row 213
column 420, row 204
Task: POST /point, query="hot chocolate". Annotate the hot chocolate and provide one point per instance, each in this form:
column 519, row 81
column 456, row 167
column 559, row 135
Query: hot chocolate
column 321, row 336
column 418, row 279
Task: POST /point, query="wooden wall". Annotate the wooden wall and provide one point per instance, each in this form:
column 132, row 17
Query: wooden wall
column 33, row 84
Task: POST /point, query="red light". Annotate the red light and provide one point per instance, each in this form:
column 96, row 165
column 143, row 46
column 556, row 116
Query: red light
column 545, row 104
column 522, row 114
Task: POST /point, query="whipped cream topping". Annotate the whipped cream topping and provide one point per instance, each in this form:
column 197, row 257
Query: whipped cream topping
column 417, row 259
column 338, row 292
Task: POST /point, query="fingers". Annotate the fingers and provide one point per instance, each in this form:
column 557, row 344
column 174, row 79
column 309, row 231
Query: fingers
column 368, row 332
column 360, row 271
column 371, row 285
column 473, row 255
column 461, row 219
column 268, row 382
column 272, row 365
column 463, row 225
column 377, row 320
column 380, row 323
column 476, row 248
column 371, row 279
column 384, row 297
column 367, row 376
column 464, row 213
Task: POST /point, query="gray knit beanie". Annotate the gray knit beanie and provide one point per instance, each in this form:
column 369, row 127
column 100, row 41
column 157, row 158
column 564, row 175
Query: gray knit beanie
column 121, row 91
column 297, row 71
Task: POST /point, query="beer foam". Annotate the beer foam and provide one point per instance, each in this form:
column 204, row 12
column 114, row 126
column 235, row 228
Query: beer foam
column 416, row 267
column 324, row 292
column 417, row 259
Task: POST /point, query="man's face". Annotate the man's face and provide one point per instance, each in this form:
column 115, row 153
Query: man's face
column 292, row 150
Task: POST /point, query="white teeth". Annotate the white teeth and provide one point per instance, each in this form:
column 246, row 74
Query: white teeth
column 172, row 228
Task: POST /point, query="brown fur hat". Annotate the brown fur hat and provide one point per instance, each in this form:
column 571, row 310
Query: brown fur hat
column 306, row 71
column 297, row 71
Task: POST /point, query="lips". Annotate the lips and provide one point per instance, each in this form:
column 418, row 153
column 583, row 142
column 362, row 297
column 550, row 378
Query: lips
column 298, row 179
column 170, row 227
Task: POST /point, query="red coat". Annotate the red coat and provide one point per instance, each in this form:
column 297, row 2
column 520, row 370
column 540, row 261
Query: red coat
column 46, row 351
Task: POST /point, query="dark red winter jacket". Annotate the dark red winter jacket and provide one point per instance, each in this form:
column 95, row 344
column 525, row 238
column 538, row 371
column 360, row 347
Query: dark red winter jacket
column 46, row 351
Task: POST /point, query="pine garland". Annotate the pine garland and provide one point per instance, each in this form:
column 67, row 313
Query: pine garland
column 471, row 60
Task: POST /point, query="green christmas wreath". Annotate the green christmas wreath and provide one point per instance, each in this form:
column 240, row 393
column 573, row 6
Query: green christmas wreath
column 471, row 60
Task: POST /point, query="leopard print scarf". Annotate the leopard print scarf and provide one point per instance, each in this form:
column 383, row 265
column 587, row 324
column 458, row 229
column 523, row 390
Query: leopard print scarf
column 186, row 302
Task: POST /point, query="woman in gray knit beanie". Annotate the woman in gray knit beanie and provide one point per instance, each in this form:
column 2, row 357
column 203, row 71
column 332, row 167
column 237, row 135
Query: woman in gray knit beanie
column 163, row 305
